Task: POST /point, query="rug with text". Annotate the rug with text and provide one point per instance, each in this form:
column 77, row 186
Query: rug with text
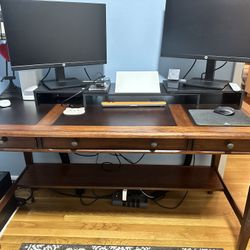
column 37, row 246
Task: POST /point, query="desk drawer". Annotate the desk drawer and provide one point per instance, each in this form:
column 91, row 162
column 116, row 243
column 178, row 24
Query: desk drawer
column 17, row 142
column 222, row 145
column 143, row 144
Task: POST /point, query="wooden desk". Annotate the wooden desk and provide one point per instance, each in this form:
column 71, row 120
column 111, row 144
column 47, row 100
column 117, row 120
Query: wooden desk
column 148, row 130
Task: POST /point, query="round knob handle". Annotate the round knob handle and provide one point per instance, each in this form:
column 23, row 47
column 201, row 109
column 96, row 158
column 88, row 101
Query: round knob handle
column 3, row 140
column 74, row 144
column 230, row 146
column 154, row 145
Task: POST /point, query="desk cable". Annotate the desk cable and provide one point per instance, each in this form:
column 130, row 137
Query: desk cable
column 220, row 67
column 87, row 74
column 190, row 69
column 96, row 78
column 74, row 95
column 95, row 196
column 191, row 160
column 89, row 155
column 174, row 207
column 46, row 75
column 155, row 199
column 130, row 161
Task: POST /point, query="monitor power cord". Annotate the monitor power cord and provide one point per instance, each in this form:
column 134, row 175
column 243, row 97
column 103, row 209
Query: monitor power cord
column 190, row 69
column 46, row 75
column 220, row 67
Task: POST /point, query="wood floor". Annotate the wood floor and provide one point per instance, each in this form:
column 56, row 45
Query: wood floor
column 202, row 220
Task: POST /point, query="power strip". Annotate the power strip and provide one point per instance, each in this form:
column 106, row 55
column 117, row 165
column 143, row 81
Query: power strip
column 134, row 199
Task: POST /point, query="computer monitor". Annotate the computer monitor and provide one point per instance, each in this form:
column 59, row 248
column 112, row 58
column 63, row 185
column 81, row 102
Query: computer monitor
column 207, row 29
column 43, row 34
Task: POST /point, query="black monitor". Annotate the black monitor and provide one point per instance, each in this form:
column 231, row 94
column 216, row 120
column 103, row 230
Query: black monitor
column 207, row 29
column 42, row 34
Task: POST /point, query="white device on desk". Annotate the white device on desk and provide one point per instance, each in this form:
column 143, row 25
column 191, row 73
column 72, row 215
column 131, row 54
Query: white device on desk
column 74, row 111
column 174, row 74
column 29, row 80
column 136, row 82
column 235, row 87
column 5, row 103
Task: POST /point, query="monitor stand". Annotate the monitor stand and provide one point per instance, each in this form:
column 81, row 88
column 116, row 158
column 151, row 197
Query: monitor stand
column 63, row 83
column 209, row 82
column 67, row 83
column 206, row 84
column 12, row 90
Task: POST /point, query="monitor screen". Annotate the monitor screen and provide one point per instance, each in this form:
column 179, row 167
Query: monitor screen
column 52, row 34
column 207, row 29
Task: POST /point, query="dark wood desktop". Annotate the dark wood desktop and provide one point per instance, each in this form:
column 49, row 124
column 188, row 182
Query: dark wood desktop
column 27, row 128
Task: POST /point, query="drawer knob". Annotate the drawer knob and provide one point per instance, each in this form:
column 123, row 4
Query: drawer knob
column 154, row 145
column 74, row 144
column 3, row 140
column 230, row 146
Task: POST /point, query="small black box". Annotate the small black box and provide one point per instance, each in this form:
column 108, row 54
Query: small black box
column 7, row 211
column 5, row 183
column 45, row 96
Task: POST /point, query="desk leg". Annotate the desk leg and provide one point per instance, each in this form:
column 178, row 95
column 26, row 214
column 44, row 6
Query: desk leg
column 245, row 226
column 64, row 158
column 188, row 160
column 28, row 157
column 215, row 161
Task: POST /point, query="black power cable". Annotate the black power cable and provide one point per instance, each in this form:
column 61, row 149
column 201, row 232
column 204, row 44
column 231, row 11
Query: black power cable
column 94, row 198
column 187, row 162
column 87, row 74
column 195, row 61
column 117, row 157
column 74, row 95
column 220, row 67
column 83, row 155
column 130, row 161
column 87, row 203
column 46, row 75
column 155, row 199
column 174, row 207
column 107, row 196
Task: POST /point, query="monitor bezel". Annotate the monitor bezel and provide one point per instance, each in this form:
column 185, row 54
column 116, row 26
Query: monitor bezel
column 196, row 56
column 61, row 64
column 208, row 57
column 57, row 65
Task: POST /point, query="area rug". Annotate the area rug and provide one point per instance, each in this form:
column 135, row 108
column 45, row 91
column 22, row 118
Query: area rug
column 32, row 246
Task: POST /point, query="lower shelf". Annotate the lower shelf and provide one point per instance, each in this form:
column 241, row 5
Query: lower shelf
column 147, row 177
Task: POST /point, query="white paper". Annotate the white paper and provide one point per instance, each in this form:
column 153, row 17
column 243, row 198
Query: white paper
column 137, row 82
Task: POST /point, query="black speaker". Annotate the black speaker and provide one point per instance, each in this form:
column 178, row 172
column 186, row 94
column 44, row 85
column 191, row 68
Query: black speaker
column 7, row 211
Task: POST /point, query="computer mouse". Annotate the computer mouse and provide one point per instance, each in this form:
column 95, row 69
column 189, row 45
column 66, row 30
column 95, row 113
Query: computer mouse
column 5, row 103
column 223, row 110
